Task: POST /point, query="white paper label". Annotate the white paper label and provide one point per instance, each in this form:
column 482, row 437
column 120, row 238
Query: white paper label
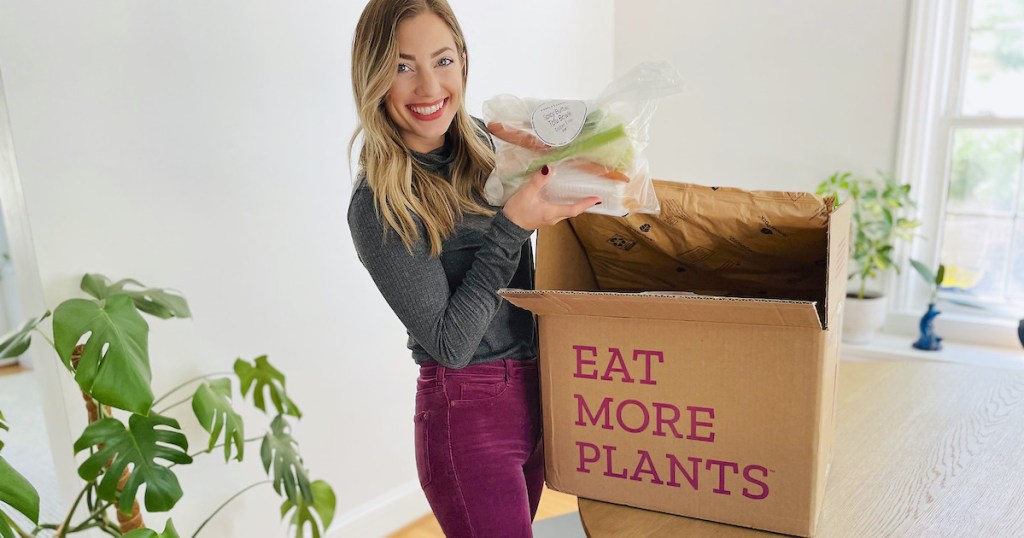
column 559, row 122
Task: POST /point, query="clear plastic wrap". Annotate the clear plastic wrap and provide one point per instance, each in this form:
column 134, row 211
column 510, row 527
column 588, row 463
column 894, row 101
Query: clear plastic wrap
column 594, row 148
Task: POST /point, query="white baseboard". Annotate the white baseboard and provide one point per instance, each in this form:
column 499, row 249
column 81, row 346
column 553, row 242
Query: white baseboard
column 384, row 514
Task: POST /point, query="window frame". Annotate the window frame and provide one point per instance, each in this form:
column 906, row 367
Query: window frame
column 934, row 76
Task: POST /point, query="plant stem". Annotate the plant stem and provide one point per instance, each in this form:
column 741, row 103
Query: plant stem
column 172, row 406
column 221, row 507
column 193, row 380
column 89, row 500
column 207, row 451
column 111, row 531
column 102, row 525
column 63, row 529
column 107, row 523
column 106, row 527
column 227, row 501
column 47, row 338
column 95, row 519
column 94, row 515
column 13, row 525
column 86, row 525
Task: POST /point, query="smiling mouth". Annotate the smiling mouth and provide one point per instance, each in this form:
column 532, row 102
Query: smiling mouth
column 428, row 112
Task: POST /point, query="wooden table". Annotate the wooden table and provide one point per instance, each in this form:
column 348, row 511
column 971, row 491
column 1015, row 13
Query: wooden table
column 922, row 449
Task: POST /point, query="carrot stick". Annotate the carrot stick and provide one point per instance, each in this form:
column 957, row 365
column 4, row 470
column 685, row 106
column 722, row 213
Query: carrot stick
column 517, row 137
column 596, row 169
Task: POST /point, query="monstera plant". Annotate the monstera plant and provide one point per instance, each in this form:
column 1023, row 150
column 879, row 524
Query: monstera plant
column 131, row 440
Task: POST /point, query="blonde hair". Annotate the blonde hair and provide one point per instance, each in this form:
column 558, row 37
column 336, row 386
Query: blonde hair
column 402, row 187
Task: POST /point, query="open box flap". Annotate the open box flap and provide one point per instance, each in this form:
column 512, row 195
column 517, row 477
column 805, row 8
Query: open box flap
column 838, row 254
column 653, row 305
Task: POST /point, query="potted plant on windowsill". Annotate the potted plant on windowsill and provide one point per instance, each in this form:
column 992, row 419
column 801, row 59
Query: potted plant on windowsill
column 878, row 223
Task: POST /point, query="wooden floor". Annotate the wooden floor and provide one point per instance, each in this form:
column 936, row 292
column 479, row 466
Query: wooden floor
column 12, row 369
column 552, row 503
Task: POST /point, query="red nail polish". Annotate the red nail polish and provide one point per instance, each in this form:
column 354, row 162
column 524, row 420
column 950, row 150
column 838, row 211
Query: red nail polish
column 544, row 170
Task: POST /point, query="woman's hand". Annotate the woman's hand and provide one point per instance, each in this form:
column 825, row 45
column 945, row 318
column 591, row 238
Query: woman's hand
column 528, row 210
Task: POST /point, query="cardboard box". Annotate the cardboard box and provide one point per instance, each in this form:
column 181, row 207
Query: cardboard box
column 715, row 407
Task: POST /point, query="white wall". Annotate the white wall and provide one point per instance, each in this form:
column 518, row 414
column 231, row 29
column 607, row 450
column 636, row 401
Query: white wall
column 779, row 94
column 201, row 145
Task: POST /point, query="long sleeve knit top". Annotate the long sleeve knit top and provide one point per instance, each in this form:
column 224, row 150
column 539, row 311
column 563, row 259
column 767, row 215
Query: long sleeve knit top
column 449, row 303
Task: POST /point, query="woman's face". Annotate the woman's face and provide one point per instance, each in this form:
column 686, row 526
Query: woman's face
column 427, row 88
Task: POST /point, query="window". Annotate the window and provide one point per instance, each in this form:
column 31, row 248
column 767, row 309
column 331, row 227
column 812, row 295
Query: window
column 962, row 150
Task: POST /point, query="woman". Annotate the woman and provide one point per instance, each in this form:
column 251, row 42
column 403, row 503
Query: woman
column 438, row 254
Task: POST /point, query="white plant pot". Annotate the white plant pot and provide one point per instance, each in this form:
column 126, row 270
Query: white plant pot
column 863, row 318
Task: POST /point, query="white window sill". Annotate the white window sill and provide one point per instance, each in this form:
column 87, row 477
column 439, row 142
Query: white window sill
column 890, row 346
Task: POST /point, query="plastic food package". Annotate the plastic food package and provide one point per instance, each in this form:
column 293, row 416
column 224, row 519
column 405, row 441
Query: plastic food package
column 594, row 148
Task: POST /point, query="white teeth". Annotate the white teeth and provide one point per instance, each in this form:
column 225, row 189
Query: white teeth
column 426, row 111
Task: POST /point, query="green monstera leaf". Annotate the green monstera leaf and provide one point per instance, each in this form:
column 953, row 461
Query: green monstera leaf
column 114, row 367
column 281, row 460
column 16, row 342
column 317, row 515
column 154, row 301
column 140, row 445
column 212, row 406
column 265, row 377
column 169, row 532
column 16, row 491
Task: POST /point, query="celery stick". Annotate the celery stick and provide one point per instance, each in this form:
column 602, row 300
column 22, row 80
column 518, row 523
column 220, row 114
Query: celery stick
column 576, row 148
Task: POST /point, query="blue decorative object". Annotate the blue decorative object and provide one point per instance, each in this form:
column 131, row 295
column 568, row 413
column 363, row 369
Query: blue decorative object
column 928, row 340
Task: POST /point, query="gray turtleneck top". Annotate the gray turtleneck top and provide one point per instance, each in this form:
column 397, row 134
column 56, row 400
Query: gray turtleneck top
column 448, row 303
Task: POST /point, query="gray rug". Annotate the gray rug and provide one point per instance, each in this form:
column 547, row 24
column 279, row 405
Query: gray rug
column 563, row 526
